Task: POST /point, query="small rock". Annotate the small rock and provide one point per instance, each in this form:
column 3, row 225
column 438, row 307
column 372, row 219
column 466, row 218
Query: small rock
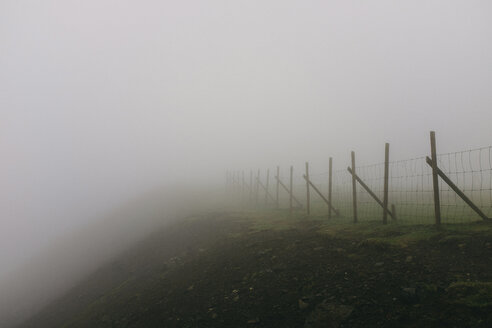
column 410, row 291
column 253, row 321
column 264, row 251
column 328, row 315
column 379, row 264
column 302, row 305
column 409, row 295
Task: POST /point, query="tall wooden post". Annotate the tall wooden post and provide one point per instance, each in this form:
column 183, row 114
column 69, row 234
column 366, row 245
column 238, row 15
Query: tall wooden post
column 277, row 205
column 330, row 170
column 250, row 187
column 291, row 188
column 308, row 209
column 354, row 190
column 238, row 187
column 266, row 186
column 386, row 172
column 257, row 193
column 435, row 180
column 227, row 181
column 244, row 188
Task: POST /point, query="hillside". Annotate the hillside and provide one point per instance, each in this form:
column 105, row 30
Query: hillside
column 264, row 269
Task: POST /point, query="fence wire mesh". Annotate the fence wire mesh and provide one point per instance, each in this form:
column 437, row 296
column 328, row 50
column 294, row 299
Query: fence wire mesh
column 411, row 189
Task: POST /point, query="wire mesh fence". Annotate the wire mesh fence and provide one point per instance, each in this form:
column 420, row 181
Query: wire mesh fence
column 410, row 188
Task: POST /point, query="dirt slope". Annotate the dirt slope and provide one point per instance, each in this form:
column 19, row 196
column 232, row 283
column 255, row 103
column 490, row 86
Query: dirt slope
column 251, row 270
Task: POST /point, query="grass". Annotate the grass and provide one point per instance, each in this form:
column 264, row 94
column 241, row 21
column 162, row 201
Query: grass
column 471, row 294
column 373, row 233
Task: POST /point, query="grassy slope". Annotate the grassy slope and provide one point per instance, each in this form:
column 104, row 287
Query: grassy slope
column 271, row 270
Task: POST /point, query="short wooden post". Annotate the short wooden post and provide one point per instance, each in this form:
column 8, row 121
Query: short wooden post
column 308, row 207
column 330, row 167
column 291, row 188
column 354, row 186
column 393, row 210
column 435, row 180
column 277, row 205
column 386, row 172
column 266, row 186
column 257, row 195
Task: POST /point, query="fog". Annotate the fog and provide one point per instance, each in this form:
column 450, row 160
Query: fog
column 104, row 102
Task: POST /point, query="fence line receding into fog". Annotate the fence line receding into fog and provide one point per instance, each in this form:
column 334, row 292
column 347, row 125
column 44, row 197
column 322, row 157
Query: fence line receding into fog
column 409, row 195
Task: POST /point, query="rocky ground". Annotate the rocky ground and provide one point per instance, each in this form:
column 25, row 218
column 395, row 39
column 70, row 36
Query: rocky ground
column 268, row 270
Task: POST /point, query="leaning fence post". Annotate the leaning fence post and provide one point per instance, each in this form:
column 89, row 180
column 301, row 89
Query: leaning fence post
column 354, row 190
column 435, row 180
column 290, row 187
column 276, row 191
column 308, row 209
column 330, row 166
column 386, row 171
column 266, row 186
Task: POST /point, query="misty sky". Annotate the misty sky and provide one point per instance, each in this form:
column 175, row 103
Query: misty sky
column 103, row 100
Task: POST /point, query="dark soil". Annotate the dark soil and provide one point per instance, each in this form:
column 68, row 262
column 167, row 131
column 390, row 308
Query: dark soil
column 218, row 271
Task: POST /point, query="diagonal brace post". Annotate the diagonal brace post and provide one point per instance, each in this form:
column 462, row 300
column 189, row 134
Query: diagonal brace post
column 321, row 195
column 366, row 187
column 458, row 191
column 288, row 191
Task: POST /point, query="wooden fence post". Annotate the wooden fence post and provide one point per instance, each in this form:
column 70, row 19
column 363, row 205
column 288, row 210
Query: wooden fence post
column 277, row 204
column 330, row 166
column 457, row 190
column 243, row 190
column 321, row 195
column 386, row 172
column 290, row 187
column 250, row 187
column 354, row 190
column 288, row 191
column 369, row 191
column 257, row 195
column 435, row 180
column 308, row 207
column 227, row 181
column 266, row 186
column 393, row 210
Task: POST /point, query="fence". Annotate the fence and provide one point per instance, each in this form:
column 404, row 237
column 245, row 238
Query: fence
column 463, row 192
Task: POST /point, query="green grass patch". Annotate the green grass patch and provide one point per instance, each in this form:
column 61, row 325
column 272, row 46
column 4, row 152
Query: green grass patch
column 471, row 294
